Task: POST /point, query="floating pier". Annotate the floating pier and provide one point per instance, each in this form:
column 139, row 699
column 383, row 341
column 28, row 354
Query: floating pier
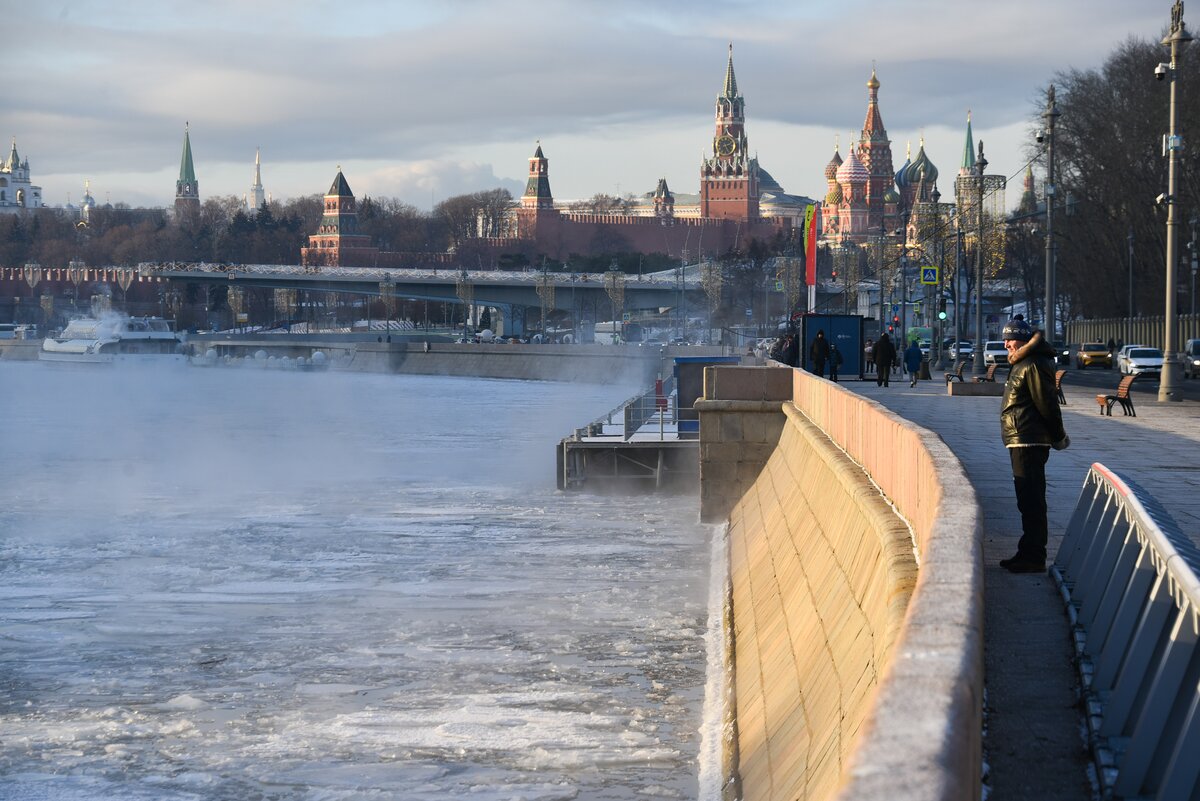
column 635, row 447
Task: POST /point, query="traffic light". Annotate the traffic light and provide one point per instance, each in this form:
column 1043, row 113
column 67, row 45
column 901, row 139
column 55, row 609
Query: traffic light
column 896, row 319
column 941, row 315
column 890, row 329
column 835, row 274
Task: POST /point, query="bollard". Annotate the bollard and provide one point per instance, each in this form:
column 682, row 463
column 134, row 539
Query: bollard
column 924, row 372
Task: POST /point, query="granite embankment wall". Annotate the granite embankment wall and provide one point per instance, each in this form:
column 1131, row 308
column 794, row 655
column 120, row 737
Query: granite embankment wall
column 857, row 594
column 20, row 350
column 596, row 364
column 617, row 364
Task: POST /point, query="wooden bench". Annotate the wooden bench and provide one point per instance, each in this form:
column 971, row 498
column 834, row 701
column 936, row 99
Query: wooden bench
column 957, row 374
column 1122, row 397
column 990, row 376
column 1058, row 377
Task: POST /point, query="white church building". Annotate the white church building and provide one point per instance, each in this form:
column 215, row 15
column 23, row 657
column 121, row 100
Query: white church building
column 16, row 192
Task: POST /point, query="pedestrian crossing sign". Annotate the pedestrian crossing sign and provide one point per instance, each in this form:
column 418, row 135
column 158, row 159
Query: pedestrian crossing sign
column 929, row 275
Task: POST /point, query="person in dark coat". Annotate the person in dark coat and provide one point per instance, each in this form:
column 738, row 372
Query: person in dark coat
column 791, row 351
column 884, row 355
column 818, row 352
column 835, row 361
column 912, row 361
column 1030, row 424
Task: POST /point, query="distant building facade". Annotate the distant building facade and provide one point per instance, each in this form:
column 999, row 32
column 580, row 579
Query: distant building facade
column 17, row 192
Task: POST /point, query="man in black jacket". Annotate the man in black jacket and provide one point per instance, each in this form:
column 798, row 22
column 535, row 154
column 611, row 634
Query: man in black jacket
column 883, row 354
column 819, row 352
column 1031, row 424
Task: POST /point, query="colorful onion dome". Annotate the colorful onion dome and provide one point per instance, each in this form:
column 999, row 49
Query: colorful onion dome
column 832, row 167
column 912, row 173
column 891, row 196
column 852, row 171
column 834, row 198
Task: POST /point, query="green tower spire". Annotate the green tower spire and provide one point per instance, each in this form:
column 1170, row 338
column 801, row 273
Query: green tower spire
column 968, row 160
column 187, row 172
column 187, row 188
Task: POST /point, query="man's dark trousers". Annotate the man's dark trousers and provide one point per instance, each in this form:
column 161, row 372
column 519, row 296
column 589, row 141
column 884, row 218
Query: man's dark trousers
column 1029, row 479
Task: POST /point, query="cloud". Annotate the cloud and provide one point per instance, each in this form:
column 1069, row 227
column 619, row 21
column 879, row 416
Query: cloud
column 434, row 95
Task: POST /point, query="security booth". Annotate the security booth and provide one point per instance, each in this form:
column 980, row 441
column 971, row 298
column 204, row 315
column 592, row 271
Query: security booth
column 847, row 331
column 689, row 387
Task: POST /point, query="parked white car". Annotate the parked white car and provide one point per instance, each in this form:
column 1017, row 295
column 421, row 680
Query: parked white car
column 1143, row 360
column 994, row 352
column 1123, row 356
column 962, row 350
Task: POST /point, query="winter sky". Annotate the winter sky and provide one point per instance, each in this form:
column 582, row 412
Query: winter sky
column 425, row 100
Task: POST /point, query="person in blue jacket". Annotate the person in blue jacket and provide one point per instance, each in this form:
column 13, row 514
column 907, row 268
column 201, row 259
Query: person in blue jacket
column 912, row 361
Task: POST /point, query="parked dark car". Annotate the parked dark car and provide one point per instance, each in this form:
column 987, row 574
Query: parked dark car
column 1189, row 358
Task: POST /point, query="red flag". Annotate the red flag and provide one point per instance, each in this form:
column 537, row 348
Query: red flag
column 810, row 244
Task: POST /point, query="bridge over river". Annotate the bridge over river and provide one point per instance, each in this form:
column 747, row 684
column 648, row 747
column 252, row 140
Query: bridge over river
column 510, row 292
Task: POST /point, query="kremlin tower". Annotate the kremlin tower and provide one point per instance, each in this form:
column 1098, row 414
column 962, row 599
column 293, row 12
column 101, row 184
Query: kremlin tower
column 729, row 179
column 337, row 241
column 187, row 188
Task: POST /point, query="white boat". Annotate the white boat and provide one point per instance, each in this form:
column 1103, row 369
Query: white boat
column 114, row 338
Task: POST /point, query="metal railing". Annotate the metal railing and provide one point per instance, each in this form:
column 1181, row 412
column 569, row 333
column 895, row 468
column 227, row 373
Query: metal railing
column 648, row 405
column 635, row 413
column 1129, row 577
column 523, row 277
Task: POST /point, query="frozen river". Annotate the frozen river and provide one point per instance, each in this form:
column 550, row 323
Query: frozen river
column 232, row 584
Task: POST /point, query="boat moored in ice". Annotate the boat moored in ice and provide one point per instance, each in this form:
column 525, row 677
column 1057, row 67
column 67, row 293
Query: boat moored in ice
column 114, row 338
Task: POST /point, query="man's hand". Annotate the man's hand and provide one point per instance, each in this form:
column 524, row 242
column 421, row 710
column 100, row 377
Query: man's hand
column 1062, row 444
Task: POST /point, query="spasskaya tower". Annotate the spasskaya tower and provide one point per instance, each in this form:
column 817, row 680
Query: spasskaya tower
column 729, row 179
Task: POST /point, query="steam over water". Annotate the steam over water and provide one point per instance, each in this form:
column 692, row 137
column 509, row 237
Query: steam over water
column 229, row 584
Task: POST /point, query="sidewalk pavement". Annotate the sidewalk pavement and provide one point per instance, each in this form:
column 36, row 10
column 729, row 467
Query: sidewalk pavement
column 1034, row 737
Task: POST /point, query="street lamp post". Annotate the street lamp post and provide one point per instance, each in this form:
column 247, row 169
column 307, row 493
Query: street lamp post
column 980, row 167
column 1178, row 36
column 958, row 273
column 1051, row 114
column 904, row 277
column 1194, row 221
column 939, row 289
column 1129, row 323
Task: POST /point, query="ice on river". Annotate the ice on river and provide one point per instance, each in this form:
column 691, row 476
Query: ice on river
column 241, row 585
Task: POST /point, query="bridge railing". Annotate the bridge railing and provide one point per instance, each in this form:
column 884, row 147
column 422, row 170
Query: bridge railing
column 408, row 274
column 1129, row 577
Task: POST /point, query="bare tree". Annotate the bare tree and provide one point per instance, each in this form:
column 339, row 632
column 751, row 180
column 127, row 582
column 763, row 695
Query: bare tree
column 1108, row 148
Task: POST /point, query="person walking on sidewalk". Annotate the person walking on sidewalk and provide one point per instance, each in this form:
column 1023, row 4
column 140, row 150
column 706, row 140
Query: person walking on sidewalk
column 868, row 356
column 819, row 352
column 1030, row 424
column 883, row 354
column 912, row 362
